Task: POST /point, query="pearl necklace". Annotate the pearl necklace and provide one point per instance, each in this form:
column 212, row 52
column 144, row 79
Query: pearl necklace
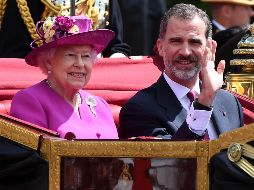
column 77, row 97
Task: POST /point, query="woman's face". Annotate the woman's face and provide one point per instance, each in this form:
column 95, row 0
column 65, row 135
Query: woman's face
column 70, row 67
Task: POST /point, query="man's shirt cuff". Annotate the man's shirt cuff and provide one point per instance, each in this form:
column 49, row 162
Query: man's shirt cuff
column 198, row 120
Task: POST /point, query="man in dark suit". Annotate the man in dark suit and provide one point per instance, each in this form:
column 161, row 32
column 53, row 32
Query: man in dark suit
column 164, row 109
column 230, row 13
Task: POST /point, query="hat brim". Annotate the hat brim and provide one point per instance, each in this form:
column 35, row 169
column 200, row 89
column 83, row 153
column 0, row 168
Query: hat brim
column 98, row 39
column 241, row 2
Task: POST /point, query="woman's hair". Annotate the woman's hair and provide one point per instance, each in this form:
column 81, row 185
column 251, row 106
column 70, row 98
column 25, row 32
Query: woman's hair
column 94, row 54
column 185, row 12
column 43, row 57
column 47, row 55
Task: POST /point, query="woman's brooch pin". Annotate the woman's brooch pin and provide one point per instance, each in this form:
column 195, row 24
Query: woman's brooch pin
column 91, row 102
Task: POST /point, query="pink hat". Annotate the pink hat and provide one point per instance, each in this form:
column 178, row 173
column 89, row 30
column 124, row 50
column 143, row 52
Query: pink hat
column 63, row 30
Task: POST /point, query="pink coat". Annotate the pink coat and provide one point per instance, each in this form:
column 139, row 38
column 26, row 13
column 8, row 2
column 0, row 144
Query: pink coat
column 41, row 105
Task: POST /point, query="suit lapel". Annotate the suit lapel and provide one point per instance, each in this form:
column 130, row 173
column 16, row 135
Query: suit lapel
column 176, row 114
column 167, row 99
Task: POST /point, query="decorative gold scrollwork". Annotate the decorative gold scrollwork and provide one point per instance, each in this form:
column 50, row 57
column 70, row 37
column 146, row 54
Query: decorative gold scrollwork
column 2, row 10
column 236, row 151
column 82, row 7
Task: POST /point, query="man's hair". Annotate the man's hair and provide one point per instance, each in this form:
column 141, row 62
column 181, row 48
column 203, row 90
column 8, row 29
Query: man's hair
column 185, row 12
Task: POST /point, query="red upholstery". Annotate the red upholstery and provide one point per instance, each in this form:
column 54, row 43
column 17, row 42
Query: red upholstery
column 116, row 80
column 248, row 107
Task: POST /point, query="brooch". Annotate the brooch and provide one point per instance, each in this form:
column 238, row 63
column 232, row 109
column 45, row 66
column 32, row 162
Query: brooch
column 91, row 102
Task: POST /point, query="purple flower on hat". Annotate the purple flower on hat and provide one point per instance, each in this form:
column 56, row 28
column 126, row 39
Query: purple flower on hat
column 64, row 23
column 54, row 28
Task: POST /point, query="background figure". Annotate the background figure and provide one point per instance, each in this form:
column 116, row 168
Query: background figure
column 230, row 18
column 141, row 20
column 224, row 36
column 117, row 47
column 15, row 37
column 225, row 52
column 230, row 13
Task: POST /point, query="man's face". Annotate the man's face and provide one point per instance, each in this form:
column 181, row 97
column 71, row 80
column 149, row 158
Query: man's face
column 240, row 15
column 182, row 48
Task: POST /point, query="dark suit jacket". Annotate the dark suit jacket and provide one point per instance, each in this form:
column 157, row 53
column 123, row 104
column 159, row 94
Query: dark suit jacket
column 116, row 24
column 15, row 38
column 141, row 21
column 225, row 174
column 224, row 36
column 225, row 52
column 22, row 167
column 156, row 111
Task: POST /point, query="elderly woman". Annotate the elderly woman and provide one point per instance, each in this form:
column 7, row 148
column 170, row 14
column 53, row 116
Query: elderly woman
column 67, row 54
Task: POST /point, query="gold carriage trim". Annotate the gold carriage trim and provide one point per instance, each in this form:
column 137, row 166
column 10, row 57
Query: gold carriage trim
column 236, row 151
column 249, row 41
column 245, row 62
column 246, row 44
column 243, row 51
column 2, row 11
column 19, row 134
column 57, row 9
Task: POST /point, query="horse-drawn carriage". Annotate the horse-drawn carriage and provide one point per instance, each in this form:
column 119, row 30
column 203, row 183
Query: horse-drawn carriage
column 84, row 164
column 32, row 157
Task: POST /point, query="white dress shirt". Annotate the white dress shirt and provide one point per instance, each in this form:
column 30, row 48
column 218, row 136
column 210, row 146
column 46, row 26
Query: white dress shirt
column 198, row 120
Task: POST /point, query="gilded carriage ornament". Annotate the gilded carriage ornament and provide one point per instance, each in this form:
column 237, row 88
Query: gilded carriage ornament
column 237, row 153
column 234, row 152
column 242, row 80
column 97, row 10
